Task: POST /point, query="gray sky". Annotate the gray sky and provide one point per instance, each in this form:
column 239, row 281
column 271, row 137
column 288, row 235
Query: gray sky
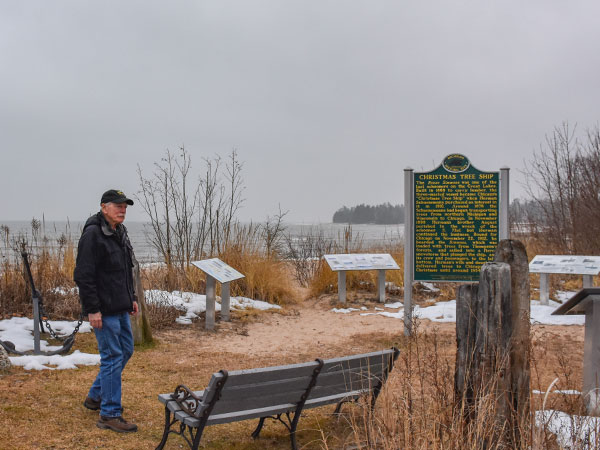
column 326, row 101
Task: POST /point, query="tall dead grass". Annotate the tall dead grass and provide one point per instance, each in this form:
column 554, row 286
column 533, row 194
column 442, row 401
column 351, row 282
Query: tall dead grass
column 52, row 265
column 418, row 407
column 267, row 275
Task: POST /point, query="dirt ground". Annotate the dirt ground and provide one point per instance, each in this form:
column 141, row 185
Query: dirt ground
column 44, row 409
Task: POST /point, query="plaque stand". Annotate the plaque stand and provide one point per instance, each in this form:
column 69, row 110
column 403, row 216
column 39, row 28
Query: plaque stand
column 587, row 302
column 217, row 270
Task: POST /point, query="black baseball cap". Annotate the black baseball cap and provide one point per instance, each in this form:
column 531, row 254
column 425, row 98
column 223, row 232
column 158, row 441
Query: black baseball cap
column 115, row 196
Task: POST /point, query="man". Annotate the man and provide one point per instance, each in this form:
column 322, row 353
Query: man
column 104, row 276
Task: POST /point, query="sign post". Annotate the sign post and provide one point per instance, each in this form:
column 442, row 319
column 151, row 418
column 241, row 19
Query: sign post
column 217, row 270
column 587, row 302
column 409, row 193
column 341, row 263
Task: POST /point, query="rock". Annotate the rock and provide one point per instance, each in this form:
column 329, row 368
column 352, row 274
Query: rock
column 5, row 364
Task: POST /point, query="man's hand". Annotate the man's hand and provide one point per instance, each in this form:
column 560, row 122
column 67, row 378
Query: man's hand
column 95, row 320
column 135, row 309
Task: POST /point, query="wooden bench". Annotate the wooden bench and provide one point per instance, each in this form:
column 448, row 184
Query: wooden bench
column 274, row 392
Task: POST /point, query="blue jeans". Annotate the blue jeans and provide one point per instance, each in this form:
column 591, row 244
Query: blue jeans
column 115, row 344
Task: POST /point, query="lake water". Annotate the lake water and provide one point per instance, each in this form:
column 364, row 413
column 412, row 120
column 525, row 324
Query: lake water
column 370, row 235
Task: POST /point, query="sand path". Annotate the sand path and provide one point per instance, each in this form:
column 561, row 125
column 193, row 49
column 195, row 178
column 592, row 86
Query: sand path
column 312, row 324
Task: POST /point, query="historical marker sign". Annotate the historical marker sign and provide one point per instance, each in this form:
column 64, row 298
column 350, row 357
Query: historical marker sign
column 582, row 265
column 217, row 269
column 456, row 224
column 356, row 261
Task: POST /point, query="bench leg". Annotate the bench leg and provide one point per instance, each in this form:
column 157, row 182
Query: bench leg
column 167, row 428
column 196, row 441
column 256, row 432
column 338, row 408
column 293, row 426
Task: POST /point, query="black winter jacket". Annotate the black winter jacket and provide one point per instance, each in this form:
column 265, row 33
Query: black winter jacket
column 104, row 268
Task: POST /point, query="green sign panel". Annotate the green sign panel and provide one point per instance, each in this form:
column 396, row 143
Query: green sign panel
column 455, row 221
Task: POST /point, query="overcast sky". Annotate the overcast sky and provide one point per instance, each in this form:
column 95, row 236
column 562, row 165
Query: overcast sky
column 326, row 101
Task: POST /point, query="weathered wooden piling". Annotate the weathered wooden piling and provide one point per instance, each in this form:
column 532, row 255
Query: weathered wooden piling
column 492, row 334
column 513, row 253
column 140, row 325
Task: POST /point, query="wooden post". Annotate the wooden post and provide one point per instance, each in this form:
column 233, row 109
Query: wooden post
column 492, row 361
column 466, row 327
column 492, row 344
column 140, row 325
column 514, row 254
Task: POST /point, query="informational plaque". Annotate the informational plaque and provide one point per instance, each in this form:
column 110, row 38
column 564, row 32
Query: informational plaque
column 361, row 261
column 456, row 223
column 580, row 265
column 218, row 270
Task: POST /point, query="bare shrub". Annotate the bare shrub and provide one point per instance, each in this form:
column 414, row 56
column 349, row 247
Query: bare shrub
column 305, row 252
column 191, row 219
column 563, row 178
column 161, row 311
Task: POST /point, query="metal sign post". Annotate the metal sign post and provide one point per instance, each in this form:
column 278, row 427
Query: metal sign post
column 217, row 270
column 409, row 207
column 211, row 297
column 341, row 263
column 504, row 225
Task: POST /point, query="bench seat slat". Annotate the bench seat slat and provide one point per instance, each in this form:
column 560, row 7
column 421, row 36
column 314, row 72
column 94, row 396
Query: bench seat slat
column 249, row 376
column 358, row 361
column 262, row 388
column 258, row 402
column 326, row 391
column 235, row 416
column 351, row 377
column 331, row 399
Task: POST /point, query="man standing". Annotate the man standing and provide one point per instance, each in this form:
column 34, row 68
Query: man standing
column 103, row 274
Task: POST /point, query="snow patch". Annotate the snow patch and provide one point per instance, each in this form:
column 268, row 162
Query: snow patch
column 194, row 304
column 446, row 312
column 572, row 431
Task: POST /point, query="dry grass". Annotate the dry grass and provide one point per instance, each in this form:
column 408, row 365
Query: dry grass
column 416, row 410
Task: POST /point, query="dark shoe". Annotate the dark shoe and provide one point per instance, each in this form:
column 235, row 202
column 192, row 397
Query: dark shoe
column 117, row 424
column 92, row 404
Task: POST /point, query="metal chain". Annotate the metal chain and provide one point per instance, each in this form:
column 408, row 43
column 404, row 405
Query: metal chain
column 44, row 317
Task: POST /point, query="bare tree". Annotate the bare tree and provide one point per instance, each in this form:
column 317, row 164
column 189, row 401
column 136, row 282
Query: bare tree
column 190, row 220
column 563, row 179
column 272, row 233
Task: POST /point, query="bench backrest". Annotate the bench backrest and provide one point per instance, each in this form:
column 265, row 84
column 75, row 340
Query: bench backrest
column 281, row 388
column 360, row 373
column 254, row 389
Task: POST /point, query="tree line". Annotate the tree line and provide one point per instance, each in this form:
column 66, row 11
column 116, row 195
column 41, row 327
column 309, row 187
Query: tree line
column 384, row 214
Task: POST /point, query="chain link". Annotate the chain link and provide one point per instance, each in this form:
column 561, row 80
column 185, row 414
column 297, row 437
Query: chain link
column 44, row 318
